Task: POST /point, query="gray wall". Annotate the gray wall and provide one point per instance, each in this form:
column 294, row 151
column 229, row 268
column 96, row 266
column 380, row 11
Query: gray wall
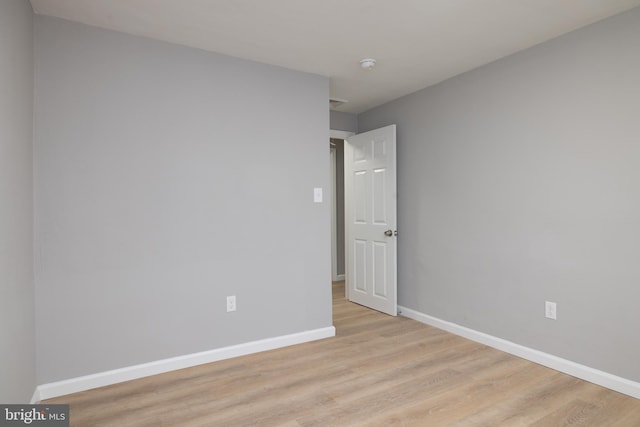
column 519, row 182
column 17, row 330
column 343, row 121
column 167, row 179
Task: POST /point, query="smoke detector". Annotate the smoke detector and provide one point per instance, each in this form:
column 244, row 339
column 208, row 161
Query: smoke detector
column 367, row 63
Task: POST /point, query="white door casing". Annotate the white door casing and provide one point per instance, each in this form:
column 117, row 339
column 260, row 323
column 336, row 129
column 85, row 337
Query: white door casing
column 371, row 220
column 334, row 225
column 343, row 135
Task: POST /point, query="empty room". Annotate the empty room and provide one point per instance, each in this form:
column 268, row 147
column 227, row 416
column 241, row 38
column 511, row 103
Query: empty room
column 320, row 213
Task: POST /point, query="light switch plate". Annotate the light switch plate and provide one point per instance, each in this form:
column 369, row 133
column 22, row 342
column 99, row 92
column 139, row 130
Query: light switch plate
column 317, row 195
column 550, row 310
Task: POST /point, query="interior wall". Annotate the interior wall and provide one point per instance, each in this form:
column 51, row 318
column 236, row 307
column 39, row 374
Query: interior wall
column 343, row 121
column 168, row 178
column 17, row 328
column 518, row 184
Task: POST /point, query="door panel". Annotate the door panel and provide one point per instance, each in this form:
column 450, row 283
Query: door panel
column 360, row 197
column 370, row 216
column 360, row 265
column 380, row 269
column 378, row 197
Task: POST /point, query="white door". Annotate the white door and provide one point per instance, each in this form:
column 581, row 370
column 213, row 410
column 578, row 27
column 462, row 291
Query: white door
column 370, row 219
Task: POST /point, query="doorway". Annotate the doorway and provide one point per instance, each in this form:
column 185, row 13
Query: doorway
column 336, row 148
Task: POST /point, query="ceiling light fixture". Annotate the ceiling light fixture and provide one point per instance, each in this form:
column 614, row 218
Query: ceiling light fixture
column 367, row 63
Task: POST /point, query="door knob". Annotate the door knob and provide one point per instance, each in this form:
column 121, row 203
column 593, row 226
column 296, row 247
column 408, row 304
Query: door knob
column 388, row 233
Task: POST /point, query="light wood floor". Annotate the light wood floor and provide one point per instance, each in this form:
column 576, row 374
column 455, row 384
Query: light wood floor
column 377, row 371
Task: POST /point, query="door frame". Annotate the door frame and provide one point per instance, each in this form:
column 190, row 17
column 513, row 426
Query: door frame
column 334, row 217
column 338, row 134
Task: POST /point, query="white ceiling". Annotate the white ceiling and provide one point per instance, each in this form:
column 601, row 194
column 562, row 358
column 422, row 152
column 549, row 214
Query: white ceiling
column 417, row 43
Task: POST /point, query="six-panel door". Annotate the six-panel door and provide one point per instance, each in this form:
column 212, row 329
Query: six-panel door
column 370, row 219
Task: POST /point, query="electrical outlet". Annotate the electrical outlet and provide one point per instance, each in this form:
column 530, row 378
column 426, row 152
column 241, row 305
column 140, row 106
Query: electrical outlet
column 550, row 310
column 231, row 303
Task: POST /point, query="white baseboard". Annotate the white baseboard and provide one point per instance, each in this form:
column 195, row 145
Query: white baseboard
column 35, row 399
column 338, row 277
column 604, row 379
column 101, row 379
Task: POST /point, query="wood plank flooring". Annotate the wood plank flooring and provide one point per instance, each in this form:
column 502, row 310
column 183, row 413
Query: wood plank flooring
column 377, row 371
